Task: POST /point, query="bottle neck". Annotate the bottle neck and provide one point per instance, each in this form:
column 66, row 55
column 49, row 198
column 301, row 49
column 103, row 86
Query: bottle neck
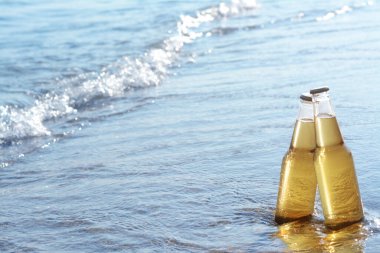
column 304, row 130
column 326, row 126
column 327, row 132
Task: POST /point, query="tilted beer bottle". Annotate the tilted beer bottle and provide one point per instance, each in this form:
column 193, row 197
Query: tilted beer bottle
column 334, row 166
column 298, row 182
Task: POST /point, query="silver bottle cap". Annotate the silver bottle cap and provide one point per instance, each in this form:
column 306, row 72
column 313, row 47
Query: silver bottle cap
column 306, row 97
column 319, row 90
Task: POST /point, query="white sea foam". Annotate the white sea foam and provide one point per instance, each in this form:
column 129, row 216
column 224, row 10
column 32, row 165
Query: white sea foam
column 147, row 70
column 343, row 10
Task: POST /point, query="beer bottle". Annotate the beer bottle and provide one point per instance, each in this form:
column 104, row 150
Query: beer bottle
column 334, row 166
column 298, row 182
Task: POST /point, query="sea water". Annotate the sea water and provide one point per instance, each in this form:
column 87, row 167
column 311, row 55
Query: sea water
column 159, row 126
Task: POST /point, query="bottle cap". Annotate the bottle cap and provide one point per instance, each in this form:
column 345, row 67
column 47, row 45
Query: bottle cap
column 319, row 90
column 306, row 97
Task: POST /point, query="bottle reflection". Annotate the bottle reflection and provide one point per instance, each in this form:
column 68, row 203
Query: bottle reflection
column 300, row 236
column 348, row 239
column 312, row 236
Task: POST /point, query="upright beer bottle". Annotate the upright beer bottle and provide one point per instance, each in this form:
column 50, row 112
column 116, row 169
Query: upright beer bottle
column 334, row 166
column 298, row 182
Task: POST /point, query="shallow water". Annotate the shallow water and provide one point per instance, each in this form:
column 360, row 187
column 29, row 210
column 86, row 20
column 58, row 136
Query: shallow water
column 161, row 125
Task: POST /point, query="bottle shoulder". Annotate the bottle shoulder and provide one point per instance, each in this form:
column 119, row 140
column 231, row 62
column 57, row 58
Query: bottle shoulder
column 338, row 147
column 299, row 152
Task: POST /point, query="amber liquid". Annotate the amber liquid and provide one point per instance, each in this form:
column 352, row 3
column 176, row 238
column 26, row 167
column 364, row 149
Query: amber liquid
column 298, row 182
column 337, row 182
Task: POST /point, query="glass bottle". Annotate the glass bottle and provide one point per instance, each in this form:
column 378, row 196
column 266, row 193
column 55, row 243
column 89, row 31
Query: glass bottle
column 298, row 182
column 334, row 166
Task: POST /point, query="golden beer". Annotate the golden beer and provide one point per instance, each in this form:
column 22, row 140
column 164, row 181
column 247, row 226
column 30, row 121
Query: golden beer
column 334, row 166
column 298, row 182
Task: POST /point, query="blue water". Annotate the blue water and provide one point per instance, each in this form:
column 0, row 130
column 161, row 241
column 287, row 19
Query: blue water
column 159, row 126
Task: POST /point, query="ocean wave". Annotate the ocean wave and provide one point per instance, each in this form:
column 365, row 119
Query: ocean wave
column 113, row 80
column 74, row 94
column 343, row 10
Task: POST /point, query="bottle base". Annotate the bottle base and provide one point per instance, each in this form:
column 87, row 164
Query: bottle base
column 281, row 220
column 337, row 226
